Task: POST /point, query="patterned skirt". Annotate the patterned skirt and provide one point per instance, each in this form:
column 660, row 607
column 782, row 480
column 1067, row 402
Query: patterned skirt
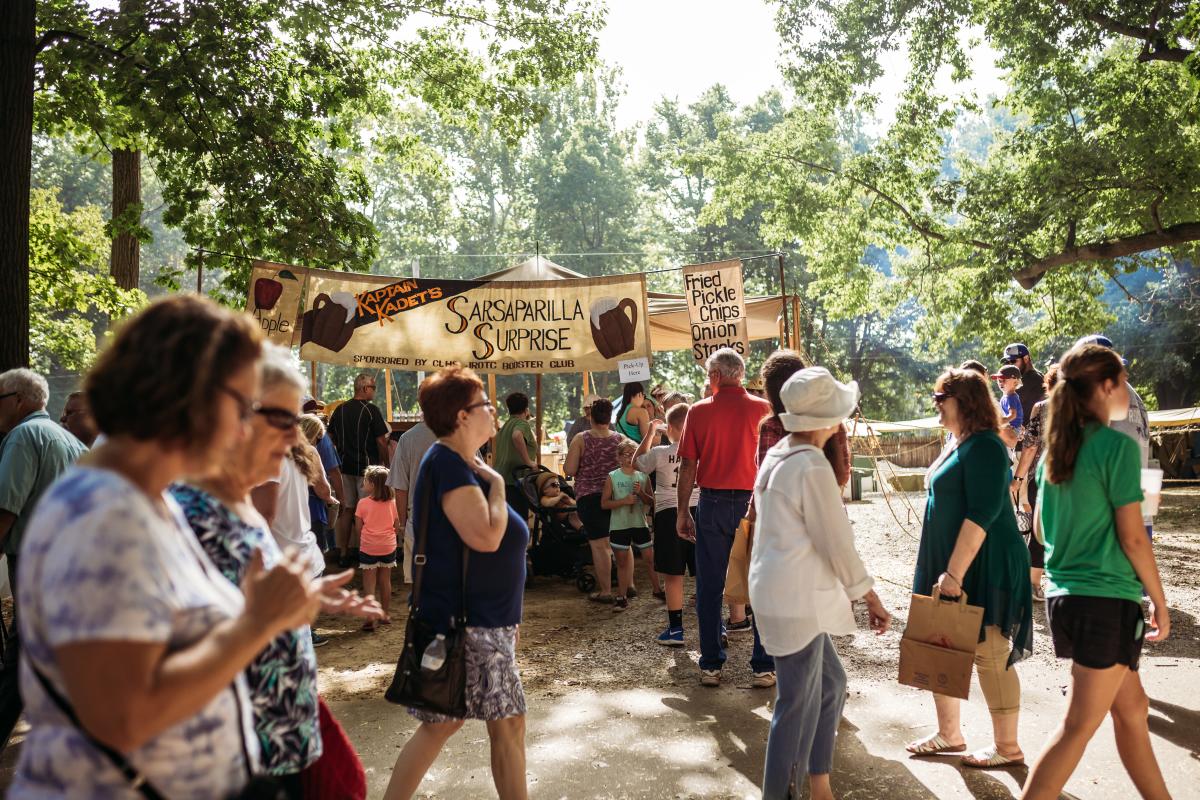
column 493, row 686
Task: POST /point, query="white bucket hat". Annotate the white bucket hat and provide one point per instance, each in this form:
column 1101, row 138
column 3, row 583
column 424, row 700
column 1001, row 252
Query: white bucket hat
column 814, row 399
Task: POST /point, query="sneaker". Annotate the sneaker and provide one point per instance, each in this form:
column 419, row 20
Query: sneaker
column 631, row 592
column 671, row 637
column 762, row 680
column 710, row 677
column 738, row 627
column 318, row 640
column 619, row 605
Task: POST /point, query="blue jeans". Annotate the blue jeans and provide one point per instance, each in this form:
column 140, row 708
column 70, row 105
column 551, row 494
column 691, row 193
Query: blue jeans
column 717, row 517
column 808, row 707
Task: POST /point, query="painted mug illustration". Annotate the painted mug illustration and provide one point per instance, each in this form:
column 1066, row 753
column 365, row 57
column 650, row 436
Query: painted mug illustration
column 613, row 330
column 327, row 323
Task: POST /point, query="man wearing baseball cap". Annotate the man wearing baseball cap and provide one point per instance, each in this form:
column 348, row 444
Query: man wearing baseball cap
column 1031, row 390
column 1137, row 424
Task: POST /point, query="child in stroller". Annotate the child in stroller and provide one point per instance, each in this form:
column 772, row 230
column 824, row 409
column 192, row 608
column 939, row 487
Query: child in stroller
column 551, row 496
column 558, row 545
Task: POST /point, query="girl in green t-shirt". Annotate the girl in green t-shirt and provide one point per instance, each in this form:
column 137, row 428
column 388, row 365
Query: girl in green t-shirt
column 626, row 495
column 1097, row 558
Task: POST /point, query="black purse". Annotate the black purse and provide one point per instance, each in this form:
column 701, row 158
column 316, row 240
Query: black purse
column 444, row 690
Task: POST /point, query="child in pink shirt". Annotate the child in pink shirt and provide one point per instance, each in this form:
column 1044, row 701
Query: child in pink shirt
column 375, row 525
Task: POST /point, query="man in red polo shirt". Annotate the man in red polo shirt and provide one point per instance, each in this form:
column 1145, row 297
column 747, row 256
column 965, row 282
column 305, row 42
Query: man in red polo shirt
column 717, row 451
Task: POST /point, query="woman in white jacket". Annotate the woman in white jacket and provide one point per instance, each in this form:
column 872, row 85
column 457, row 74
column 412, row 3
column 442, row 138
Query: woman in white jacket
column 804, row 574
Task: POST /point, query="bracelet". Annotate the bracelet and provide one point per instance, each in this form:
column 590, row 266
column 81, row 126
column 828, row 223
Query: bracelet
column 952, row 575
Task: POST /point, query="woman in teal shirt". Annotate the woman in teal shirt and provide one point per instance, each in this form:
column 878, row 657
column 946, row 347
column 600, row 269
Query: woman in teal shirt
column 1098, row 558
column 633, row 419
column 970, row 543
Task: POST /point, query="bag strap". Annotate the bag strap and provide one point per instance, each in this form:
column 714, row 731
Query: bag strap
column 425, row 477
column 137, row 780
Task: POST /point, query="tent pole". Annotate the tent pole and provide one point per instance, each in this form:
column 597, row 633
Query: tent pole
column 783, row 291
column 387, row 376
column 538, row 433
column 796, row 323
column 492, row 398
column 312, row 380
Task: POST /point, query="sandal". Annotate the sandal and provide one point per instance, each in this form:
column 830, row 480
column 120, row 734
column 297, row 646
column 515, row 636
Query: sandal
column 659, row 594
column 990, row 758
column 596, row 597
column 385, row 621
column 368, row 627
column 933, row 746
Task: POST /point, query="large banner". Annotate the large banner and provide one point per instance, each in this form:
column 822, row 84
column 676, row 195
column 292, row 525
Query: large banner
column 489, row 326
column 716, row 307
column 274, row 299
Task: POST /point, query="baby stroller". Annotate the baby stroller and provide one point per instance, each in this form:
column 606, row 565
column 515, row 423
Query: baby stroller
column 555, row 547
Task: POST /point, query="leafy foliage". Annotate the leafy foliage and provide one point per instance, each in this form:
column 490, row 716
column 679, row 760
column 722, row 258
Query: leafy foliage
column 69, row 286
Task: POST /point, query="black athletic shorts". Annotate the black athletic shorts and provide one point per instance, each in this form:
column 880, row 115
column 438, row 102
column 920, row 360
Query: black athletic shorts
column 594, row 518
column 672, row 554
column 1096, row 632
column 630, row 537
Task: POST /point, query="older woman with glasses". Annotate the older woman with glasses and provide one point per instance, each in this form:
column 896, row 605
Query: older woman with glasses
column 970, row 544
column 134, row 645
column 460, row 501
column 283, row 677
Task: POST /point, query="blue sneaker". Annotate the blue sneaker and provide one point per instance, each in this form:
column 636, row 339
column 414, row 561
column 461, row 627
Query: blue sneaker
column 671, row 637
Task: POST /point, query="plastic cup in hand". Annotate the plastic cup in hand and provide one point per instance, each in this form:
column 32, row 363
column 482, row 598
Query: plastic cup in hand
column 1152, row 488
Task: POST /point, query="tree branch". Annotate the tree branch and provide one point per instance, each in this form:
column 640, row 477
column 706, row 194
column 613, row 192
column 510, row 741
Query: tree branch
column 1156, row 47
column 1029, row 275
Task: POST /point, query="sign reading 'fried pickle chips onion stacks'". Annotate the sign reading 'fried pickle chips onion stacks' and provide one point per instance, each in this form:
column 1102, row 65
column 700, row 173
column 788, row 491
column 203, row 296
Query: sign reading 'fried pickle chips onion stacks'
column 489, row 326
column 716, row 307
column 274, row 299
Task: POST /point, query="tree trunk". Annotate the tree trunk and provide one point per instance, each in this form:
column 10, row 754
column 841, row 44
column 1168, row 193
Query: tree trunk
column 124, row 262
column 16, row 147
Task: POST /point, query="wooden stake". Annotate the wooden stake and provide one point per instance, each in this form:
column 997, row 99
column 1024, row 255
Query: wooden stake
column 537, row 434
column 492, row 398
column 312, row 380
column 796, row 340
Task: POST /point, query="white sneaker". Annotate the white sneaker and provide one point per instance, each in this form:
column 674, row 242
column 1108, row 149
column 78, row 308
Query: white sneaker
column 762, row 680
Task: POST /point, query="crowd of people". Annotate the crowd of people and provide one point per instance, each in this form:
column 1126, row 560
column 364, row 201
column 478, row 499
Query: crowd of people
column 172, row 538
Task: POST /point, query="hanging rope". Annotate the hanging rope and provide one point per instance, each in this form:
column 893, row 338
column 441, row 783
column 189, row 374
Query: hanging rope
column 891, row 496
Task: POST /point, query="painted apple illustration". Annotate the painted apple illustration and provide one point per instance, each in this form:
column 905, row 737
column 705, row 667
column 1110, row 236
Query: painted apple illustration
column 268, row 290
column 266, row 293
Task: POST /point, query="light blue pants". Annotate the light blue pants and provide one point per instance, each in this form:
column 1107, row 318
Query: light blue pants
column 811, row 686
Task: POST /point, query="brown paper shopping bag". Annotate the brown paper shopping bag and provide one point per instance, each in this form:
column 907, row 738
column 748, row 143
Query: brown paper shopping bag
column 938, row 648
column 737, row 577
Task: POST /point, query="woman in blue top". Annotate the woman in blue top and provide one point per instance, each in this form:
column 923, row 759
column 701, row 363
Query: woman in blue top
column 1098, row 557
column 466, row 508
column 633, row 419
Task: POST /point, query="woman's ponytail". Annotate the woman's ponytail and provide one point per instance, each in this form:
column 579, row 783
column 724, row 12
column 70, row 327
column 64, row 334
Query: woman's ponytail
column 1081, row 372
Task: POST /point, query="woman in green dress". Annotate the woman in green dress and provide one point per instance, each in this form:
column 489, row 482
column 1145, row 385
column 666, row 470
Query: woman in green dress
column 970, row 543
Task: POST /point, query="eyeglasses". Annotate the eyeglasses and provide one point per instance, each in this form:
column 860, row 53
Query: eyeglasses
column 244, row 404
column 279, row 418
column 941, row 397
column 553, row 485
column 474, row 406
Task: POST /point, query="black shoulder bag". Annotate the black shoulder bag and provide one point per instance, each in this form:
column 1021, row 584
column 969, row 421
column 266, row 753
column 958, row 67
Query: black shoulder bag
column 444, row 690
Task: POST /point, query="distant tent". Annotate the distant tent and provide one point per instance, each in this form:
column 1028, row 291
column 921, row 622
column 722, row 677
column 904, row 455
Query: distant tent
column 670, row 328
